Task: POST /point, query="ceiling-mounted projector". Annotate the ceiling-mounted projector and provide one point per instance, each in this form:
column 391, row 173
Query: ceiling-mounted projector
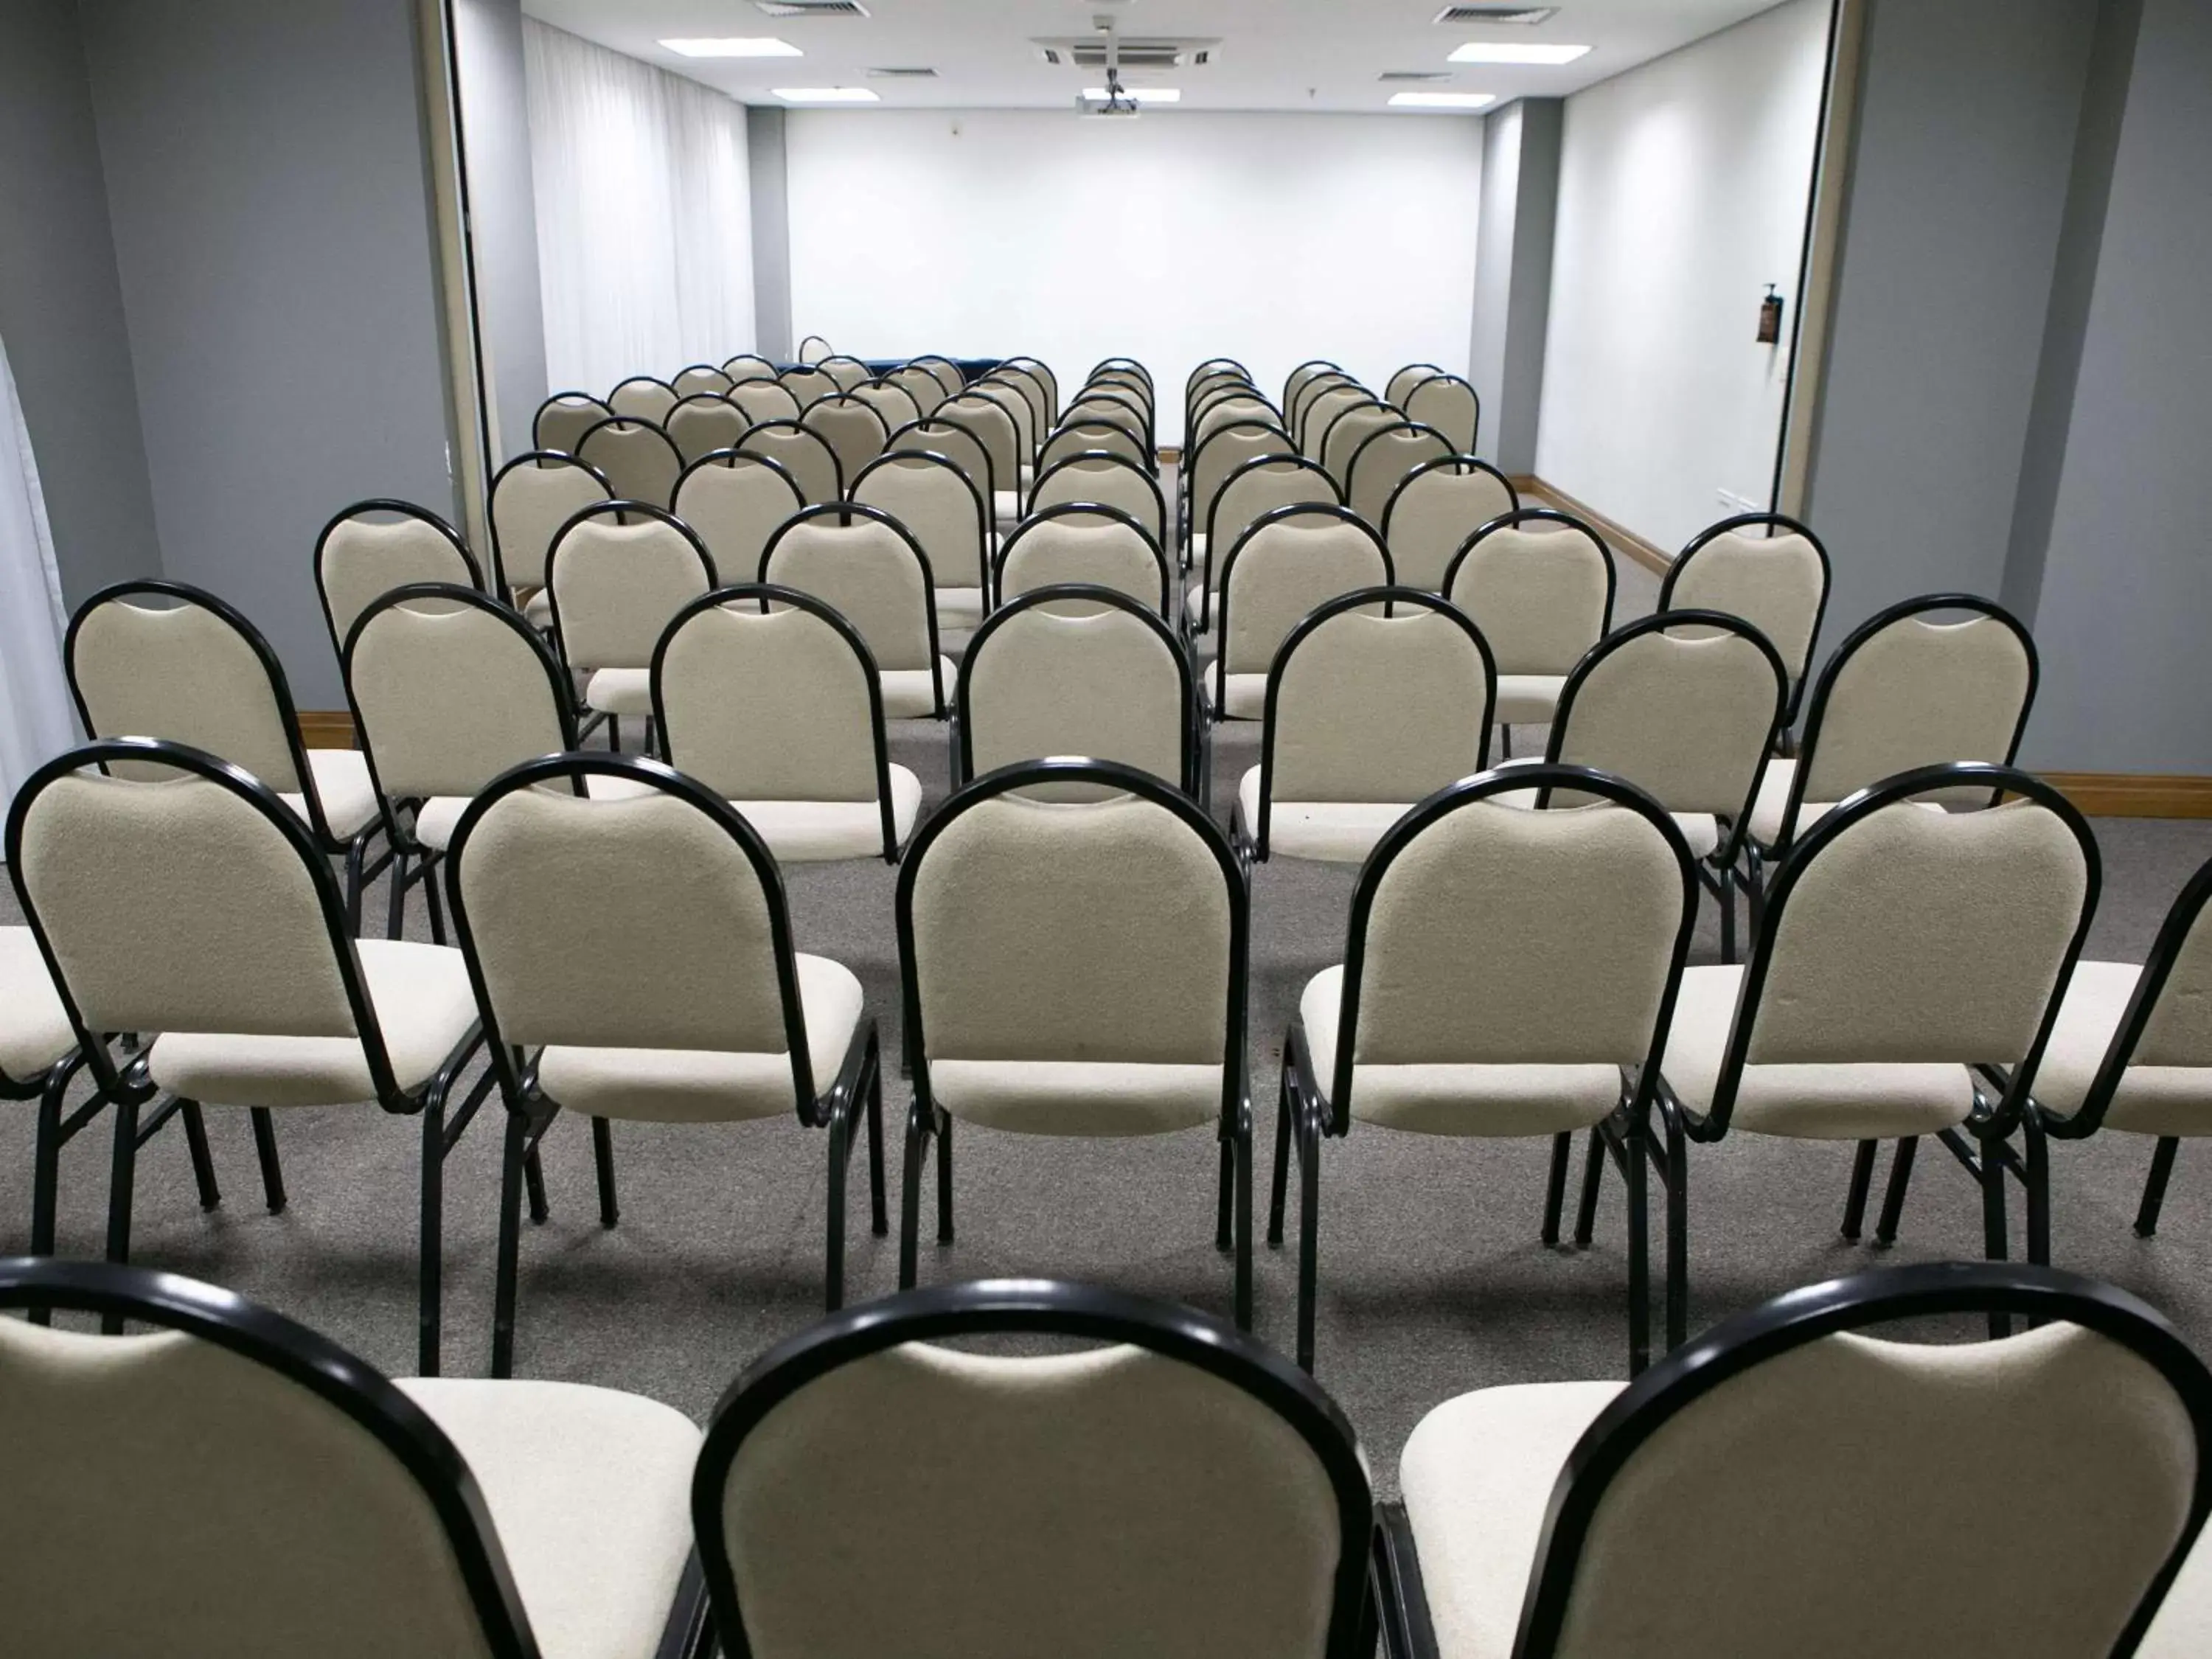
column 1118, row 104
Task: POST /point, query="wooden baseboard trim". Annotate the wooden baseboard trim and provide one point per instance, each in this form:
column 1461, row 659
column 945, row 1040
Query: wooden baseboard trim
column 2135, row 794
column 326, row 728
column 1617, row 535
column 1170, row 456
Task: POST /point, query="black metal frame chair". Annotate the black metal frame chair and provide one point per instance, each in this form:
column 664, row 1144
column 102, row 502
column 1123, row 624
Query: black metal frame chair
column 1081, row 509
column 797, row 423
column 669, row 387
column 1305, row 1115
column 709, row 399
column 502, row 586
column 986, row 529
column 1351, row 466
column 748, row 358
column 986, row 490
column 1474, row 435
column 1518, row 518
column 1215, row 553
column 54, row 1130
column 926, row 1118
column 403, row 510
column 858, row 1087
column 1194, row 456
column 537, row 419
column 729, row 459
column 843, row 400
column 1216, row 709
column 131, row 1085
column 1775, row 523
column 622, row 423
column 620, row 511
column 1094, row 456
column 699, row 369
column 1738, row 1346
column 1041, row 1310
column 845, row 512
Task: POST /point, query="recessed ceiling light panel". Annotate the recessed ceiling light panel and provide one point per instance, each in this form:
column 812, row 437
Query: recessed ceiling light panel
column 1443, row 100
column 827, row 94
column 733, row 46
column 1515, row 52
column 812, row 7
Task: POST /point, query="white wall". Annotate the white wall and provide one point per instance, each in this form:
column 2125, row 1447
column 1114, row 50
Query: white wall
column 1683, row 186
column 1270, row 238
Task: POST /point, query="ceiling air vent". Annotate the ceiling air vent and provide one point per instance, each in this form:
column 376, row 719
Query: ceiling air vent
column 812, row 7
column 1414, row 75
column 1085, row 52
column 902, row 74
column 1481, row 13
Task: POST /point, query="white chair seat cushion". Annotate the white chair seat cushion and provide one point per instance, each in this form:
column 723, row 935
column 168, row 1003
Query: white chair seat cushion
column 1334, row 831
column 589, row 1490
column 619, row 691
column 537, row 608
column 35, row 1028
column 1446, row 1099
column 1773, row 800
column 1006, row 505
column 1078, row 1098
column 1246, row 698
column 1829, row 1101
column 1528, row 699
column 423, row 1006
column 1477, row 1476
column 437, row 818
column 910, row 694
column 2151, row 1100
column 343, row 785
column 697, row 1085
column 959, row 607
column 1701, row 830
column 817, row 831
column 1198, row 541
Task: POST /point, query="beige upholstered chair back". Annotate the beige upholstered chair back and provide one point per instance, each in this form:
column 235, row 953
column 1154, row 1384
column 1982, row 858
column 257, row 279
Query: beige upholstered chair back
column 1109, row 481
column 636, row 922
column 749, row 367
column 2179, row 1030
column 1433, row 513
column 1223, row 410
column 1246, row 497
column 1579, row 910
column 643, row 399
column 774, row 707
column 994, row 429
column 1870, row 1457
column 803, row 453
column 1380, row 464
column 1031, row 386
column 1103, row 685
column 1010, row 398
column 529, row 505
column 636, row 457
column 1281, row 571
column 563, row 421
column 1302, row 398
column 847, row 372
column 1539, row 591
column 1216, row 380
column 700, row 377
column 1448, row 403
column 1320, row 411
column 1047, row 931
column 919, row 384
column 449, row 696
column 868, row 573
column 258, row 1517
column 850, row 428
column 1207, row 1528
column 894, row 404
column 181, row 670
column 1220, row 454
column 1127, row 382
column 1349, row 430
column 736, row 502
column 703, row 423
column 1114, row 410
column 1775, row 583
column 1076, row 437
column 932, row 498
column 616, row 586
column 1922, row 936
column 1406, row 380
column 177, row 905
column 809, row 384
column 1684, row 714
column 1302, row 376
column 944, row 371
column 361, row 557
column 1917, row 693
column 1081, row 547
column 958, row 446
column 1371, row 708
column 765, row 400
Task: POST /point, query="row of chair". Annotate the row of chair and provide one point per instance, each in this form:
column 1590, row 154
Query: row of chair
column 1160, row 1485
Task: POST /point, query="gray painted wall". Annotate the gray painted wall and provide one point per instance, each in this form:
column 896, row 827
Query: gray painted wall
column 1513, row 275
column 503, row 213
column 1962, row 155
column 2126, row 597
column 771, row 212
column 61, row 306
column 265, row 175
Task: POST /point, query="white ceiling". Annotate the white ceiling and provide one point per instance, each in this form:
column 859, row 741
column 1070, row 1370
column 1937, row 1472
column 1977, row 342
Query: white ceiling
column 1274, row 54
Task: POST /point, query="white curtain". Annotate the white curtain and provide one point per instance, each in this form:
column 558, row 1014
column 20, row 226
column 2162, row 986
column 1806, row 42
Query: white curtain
column 37, row 720
column 644, row 215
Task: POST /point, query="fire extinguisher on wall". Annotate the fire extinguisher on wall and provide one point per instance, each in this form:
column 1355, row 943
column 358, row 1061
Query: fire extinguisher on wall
column 1769, row 317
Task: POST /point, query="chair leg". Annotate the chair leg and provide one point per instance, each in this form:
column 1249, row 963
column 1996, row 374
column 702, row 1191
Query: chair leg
column 265, row 1148
column 917, row 1145
column 1678, row 1238
column 1308, row 1238
column 122, row 1176
column 396, row 902
column 833, row 1288
column 1996, row 1244
column 436, row 905
column 430, row 1299
column 1892, row 1198
column 46, row 1179
column 602, row 1156
column 2153, row 1198
column 516, row 1150
column 1243, row 1149
column 1227, row 1197
column 1283, row 1132
column 533, row 1175
column 878, row 1217
column 1593, row 1173
column 1724, row 892
column 1640, row 1250
column 944, row 1177
column 1855, row 1201
column 1555, row 1187
column 195, row 1143
column 614, row 732
column 2038, row 1181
